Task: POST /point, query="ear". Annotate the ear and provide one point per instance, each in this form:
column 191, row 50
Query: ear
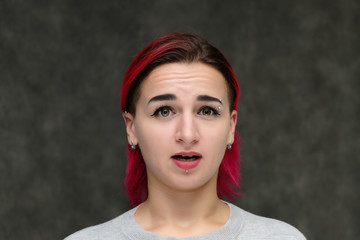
column 130, row 128
column 233, row 121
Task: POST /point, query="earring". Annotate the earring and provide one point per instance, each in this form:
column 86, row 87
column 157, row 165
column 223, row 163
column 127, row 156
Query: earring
column 132, row 145
column 229, row 146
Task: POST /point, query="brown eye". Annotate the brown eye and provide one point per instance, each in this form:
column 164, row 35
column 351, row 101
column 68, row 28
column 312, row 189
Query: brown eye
column 208, row 111
column 165, row 112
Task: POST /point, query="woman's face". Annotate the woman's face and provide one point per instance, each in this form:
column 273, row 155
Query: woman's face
column 182, row 125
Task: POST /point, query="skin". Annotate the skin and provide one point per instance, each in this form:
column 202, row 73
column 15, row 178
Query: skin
column 182, row 204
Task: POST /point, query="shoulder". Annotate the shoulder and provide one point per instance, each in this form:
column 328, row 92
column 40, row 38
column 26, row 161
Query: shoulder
column 109, row 230
column 101, row 231
column 257, row 227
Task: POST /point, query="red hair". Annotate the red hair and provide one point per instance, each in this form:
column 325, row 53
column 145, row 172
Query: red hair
column 178, row 47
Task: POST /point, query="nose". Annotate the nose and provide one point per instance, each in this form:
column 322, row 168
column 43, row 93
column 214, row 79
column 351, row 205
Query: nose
column 187, row 130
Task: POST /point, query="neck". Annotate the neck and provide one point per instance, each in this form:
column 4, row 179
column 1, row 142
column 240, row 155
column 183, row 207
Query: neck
column 167, row 208
column 182, row 205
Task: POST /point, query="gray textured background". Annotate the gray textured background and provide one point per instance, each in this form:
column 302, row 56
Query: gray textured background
column 62, row 138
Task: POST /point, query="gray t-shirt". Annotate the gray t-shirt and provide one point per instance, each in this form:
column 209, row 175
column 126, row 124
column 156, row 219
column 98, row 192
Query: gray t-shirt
column 240, row 225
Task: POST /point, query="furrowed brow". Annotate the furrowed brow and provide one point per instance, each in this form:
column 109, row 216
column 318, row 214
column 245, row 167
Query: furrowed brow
column 163, row 97
column 208, row 98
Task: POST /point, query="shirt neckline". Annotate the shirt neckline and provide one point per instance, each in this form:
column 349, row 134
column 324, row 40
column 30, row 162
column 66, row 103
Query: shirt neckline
column 133, row 230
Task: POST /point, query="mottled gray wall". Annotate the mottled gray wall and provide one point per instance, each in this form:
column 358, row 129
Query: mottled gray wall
column 62, row 139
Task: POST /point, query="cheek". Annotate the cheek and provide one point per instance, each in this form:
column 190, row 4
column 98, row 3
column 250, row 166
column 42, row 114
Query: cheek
column 152, row 138
column 215, row 139
column 217, row 133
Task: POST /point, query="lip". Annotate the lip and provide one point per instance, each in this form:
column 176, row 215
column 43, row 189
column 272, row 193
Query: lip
column 187, row 165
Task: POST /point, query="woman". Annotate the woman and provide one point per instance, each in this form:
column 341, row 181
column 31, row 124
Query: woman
column 179, row 99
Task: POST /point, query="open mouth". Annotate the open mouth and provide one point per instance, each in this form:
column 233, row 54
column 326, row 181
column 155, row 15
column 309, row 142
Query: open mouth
column 185, row 158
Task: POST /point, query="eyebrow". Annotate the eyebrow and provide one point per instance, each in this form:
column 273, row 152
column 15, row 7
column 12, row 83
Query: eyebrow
column 208, row 98
column 163, row 97
column 171, row 97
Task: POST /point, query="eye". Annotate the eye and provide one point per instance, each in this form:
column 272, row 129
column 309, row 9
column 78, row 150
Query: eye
column 163, row 112
column 208, row 111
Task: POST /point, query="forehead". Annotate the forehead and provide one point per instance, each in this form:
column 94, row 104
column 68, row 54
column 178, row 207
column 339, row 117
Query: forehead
column 184, row 78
